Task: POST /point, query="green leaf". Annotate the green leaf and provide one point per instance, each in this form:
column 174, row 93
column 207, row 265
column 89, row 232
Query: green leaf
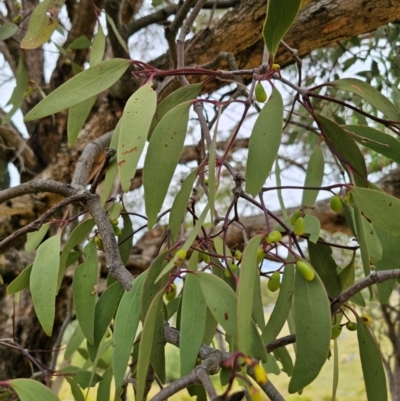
column 347, row 277
column 258, row 307
column 376, row 140
column 76, row 118
column 279, row 190
column 325, row 266
column 135, row 124
column 31, row 390
column 79, row 88
column 179, row 96
column 103, row 314
column 75, row 389
column 390, row 260
column 43, row 281
column 21, row 281
column 126, row 238
column 42, row 24
column 345, row 149
column 84, row 378
column 361, row 240
column 35, row 238
column 162, row 158
column 348, row 212
column 378, row 207
column 374, row 245
column 7, row 30
column 74, row 342
column 116, row 33
column 180, row 203
column 335, row 369
column 104, row 389
column 282, row 355
column 84, row 284
column 314, row 177
column 193, row 320
column 81, row 42
column 282, row 306
column 312, row 226
column 98, row 46
column 221, row 300
column 247, row 341
column 271, row 366
column 264, row 143
column 211, row 327
column 125, row 327
column 371, row 362
column 280, row 16
column 368, row 93
column 312, row 320
column 146, row 343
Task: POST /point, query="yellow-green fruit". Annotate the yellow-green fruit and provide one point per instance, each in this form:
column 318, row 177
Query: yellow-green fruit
column 347, row 199
column 352, row 326
column 99, row 242
column 260, row 94
column 336, row 204
column 227, row 273
column 273, row 237
column 171, row 292
column 204, row 257
column 238, row 254
column 117, row 231
column 114, row 222
column 335, row 331
column 276, row 67
column 366, row 319
column 305, row 270
column 260, row 375
column 260, row 256
column 295, row 216
column 179, row 257
column 274, row 282
column 299, row 226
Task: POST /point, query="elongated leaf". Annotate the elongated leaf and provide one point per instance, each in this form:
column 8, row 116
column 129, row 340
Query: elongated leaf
column 312, row 320
column 345, row 149
column 312, row 226
column 7, row 30
column 74, row 342
column 76, row 118
column 370, row 94
column 43, row 281
column 325, row 266
column 335, row 369
column 390, row 260
column 117, row 34
column 282, row 355
column 264, row 143
column 380, row 208
column 347, row 277
column 103, row 392
column 75, row 389
column 179, row 205
column 79, row 88
column 179, row 96
column 125, row 327
column 193, row 320
column 221, row 300
column 42, row 23
column 20, row 282
column 258, row 307
column 282, row 306
column 348, row 212
column 98, row 46
column 271, row 366
column 126, row 238
column 280, row 17
column 162, row 158
column 85, row 280
column 135, row 124
column 81, row 42
column 376, row 140
column 84, row 378
column 35, row 238
column 31, row 390
column 146, row 343
column 103, row 314
column 374, row 245
column 371, row 362
column 361, row 240
column 211, row 327
column 314, row 176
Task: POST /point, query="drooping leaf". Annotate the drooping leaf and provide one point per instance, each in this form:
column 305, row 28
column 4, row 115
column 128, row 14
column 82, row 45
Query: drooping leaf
column 282, row 306
column 179, row 205
column 345, row 149
column 74, row 342
column 347, row 277
column 75, row 389
column 211, row 327
column 324, row 264
column 335, row 369
column 32, row 390
column 378, row 141
column 193, row 320
column 374, row 245
column 104, row 389
column 84, row 378
column 280, row 16
column 279, row 191
column 135, row 124
column 81, row 87
column 361, row 240
column 125, row 327
column 7, row 30
column 312, row 321
column 35, row 238
column 103, row 314
column 312, row 226
column 84, row 292
column 271, row 366
column 162, row 157
column 371, row 362
column 146, row 343
column 20, row 282
column 76, row 118
column 371, row 95
column 42, row 23
column 43, row 281
column 98, row 46
column 314, row 176
column 379, row 207
column 126, row 238
column 264, row 143
column 282, row 355
column 117, row 34
column 258, row 307
column 348, row 212
column 81, row 42
column 179, row 96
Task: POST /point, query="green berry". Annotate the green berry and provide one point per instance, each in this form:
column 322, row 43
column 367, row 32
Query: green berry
column 179, row 257
column 273, row 237
column 99, row 242
column 238, row 254
column 260, row 255
column 233, row 267
column 295, row 216
column 305, row 270
column 352, row 326
column 336, row 204
column 274, row 282
column 117, row 231
column 260, row 94
column 335, row 331
column 299, row 226
column 171, row 292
